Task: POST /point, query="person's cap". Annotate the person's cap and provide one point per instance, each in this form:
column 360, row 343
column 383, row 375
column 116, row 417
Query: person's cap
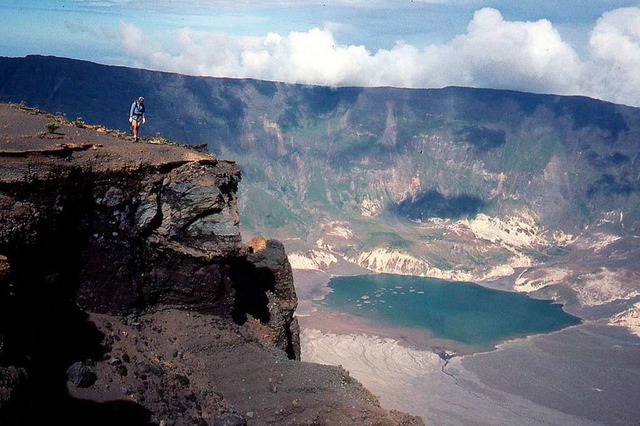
column 141, row 99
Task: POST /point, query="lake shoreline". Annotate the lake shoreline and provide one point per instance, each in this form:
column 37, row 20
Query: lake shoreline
column 526, row 381
column 368, row 310
column 331, row 321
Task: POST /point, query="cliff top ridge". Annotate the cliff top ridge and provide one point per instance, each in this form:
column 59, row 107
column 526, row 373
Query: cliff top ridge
column 26, row 132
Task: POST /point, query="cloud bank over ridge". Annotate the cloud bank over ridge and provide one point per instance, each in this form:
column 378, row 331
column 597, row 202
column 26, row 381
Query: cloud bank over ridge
column 492, row 52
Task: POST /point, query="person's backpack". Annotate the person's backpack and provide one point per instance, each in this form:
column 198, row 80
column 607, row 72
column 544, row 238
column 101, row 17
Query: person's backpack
column 141, row 110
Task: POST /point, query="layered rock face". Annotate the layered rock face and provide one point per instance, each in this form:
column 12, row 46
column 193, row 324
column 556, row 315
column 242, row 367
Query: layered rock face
column 121, row 232
column 104, row 245
column 128, row 240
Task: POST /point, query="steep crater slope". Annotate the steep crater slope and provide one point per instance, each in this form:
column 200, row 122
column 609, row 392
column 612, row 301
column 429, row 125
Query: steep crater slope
column 528, row 192
column 127, row 295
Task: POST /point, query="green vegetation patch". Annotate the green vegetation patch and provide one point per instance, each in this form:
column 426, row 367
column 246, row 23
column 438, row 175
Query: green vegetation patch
column 266, row 209
column 528, row 154
column 388, row 239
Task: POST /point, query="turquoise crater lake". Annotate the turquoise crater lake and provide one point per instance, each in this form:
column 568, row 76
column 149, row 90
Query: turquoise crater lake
column 466, row 313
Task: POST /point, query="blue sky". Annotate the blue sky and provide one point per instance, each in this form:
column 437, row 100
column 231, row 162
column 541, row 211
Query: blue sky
column 585, row 47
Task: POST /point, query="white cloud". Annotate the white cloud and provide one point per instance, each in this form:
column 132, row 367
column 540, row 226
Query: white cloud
column 615, row 47
column 517, row 55
column 493, row 52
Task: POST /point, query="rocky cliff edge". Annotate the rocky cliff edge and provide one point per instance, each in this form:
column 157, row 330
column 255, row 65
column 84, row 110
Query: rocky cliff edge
column 128, row 296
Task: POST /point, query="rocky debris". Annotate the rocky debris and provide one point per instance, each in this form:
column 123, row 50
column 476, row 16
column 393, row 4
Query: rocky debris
column 11, row 378
column 230, row 420
column 192, row 368
column 81, row 375
column 127, row 295
column 4, row 269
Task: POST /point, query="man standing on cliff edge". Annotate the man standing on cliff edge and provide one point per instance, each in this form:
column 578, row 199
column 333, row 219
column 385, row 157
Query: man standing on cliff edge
column 136, row 116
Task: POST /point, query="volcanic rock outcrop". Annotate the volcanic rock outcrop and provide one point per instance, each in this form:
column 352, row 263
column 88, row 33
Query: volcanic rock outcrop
column 127, row 295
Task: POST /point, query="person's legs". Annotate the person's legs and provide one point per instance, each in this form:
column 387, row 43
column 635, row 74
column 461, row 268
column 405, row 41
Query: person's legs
column 135, row 126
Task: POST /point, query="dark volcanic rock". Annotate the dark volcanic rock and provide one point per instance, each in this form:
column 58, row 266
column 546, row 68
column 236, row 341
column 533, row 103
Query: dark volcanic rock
column 230, row 420
column 129, row 258
column 225, row 375
column 266, row 298
column 81, row 375
column 122, row 229
column 11, row 378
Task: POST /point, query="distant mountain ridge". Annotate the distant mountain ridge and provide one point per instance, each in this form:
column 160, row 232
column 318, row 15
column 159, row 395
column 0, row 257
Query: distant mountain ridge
column 385, row 164
column 101, row 92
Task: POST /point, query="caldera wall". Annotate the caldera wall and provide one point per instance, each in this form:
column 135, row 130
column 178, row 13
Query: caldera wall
column 92, row 223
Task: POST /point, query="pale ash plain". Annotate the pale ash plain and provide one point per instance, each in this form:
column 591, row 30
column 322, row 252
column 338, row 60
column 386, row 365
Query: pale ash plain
column 583, row 375
column 587, row 374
